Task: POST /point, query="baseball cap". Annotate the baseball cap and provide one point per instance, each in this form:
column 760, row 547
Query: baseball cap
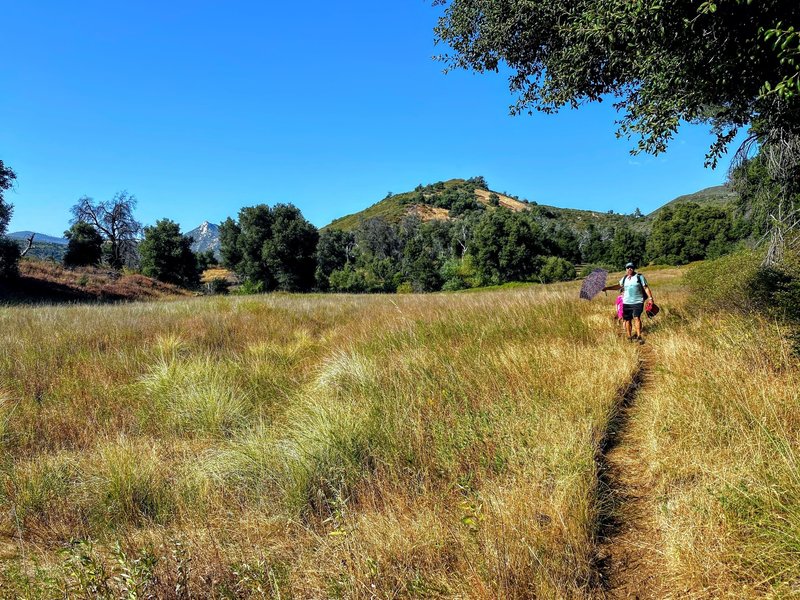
column 630, row 266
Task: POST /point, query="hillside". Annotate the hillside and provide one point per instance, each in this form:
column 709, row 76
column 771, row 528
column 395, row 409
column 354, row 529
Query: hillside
column 718, row 195
column 46, row 281
column 427, row 203
column 38, row 237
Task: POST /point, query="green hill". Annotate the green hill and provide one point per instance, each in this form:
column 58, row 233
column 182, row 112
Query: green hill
column 718, row 195
column 426, row 201
column 447, row 199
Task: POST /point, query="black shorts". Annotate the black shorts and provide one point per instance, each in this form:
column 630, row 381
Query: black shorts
column 632, row 311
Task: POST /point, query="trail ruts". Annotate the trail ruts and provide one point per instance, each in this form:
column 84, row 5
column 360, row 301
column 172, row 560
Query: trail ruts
column 627, row 564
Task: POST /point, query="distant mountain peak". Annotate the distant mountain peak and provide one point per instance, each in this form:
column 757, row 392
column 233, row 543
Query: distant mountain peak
column 206, row 237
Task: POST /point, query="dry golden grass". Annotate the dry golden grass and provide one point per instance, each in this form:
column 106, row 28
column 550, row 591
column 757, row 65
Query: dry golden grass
column 213, row 273
column 719, row 433
column 437, row 445
column 45, row 281
column 382, row 446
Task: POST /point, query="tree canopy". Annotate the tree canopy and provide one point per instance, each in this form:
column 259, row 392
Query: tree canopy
column 274, row 247
column 114, row 220
column 85, row 245
column 690, row 232
column 166, row 254
column 9, row 250
column 720, row 62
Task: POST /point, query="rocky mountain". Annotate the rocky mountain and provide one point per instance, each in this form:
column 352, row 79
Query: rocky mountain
column 206, row 237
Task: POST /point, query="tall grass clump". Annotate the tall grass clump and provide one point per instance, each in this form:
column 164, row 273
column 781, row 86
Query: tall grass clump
column 195, row 397
column 126, row 483
column 35, row 495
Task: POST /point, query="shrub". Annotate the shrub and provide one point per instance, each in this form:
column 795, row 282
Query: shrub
column 85, row 245
column 9, row 258
column 459, row 274
column 250, row 287
column 727, row 282
column 219, row 285
column 556, row 269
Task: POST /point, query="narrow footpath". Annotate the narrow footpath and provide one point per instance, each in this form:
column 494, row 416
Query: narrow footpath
column 628, row 563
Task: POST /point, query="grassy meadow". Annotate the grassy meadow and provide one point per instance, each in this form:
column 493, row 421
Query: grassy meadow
column 430, row 446
column 720, row 435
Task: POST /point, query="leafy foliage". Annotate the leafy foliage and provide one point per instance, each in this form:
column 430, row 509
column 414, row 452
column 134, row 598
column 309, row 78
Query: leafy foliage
column 9, row 258
column 759, row 195
column 506, row 246
column 9, row 250
column 739, row 282
column 596, row 248
column 556, row 269
column 664, row 62
column 691, row 232
column 85, row 246
column 167, row 255
column 206, row 260
column 275, row 246
column 334, row 252
column 627, row 246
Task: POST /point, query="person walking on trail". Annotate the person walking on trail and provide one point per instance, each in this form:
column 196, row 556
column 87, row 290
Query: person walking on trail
column 634, row 290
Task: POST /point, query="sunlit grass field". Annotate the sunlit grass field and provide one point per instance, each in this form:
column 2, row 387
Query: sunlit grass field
column 326, row 446
column 720, row 432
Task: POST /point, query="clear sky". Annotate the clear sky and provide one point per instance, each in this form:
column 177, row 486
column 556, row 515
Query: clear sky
column 200, row 108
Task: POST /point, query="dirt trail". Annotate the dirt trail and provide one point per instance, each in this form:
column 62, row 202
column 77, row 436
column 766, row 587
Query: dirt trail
column 629, row 565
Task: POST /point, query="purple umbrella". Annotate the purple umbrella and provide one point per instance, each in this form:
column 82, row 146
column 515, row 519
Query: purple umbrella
column 594, row 283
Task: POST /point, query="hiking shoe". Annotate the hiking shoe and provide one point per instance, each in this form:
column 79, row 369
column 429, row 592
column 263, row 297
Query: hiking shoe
column 640, row 340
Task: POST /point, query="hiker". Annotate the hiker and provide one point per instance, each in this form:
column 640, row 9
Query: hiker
column 634, row 289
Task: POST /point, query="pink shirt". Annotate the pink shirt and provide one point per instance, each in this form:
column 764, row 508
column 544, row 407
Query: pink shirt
column 619, row 307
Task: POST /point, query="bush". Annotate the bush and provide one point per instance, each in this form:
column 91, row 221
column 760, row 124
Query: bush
column 739, row 282
column 9, row 258
column 556, row 269
column 219, row 285
column 728, row 283
column 250, row 287
column 777, row 289
column 85, row 247
column 459, row 274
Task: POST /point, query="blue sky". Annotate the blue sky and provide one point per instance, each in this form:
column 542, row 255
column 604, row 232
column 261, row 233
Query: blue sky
column 200, row 108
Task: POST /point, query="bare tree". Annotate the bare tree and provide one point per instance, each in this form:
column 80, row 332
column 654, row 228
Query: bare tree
column 28, row 246
column 114, row 220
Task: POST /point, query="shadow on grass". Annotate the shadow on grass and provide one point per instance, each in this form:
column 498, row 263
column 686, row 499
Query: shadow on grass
column 25, row 291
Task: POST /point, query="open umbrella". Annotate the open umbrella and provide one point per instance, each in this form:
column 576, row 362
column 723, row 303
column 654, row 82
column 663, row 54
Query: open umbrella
column 594, row 283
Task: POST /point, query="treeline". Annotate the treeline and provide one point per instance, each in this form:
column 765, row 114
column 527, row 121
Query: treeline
column 276, row 248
